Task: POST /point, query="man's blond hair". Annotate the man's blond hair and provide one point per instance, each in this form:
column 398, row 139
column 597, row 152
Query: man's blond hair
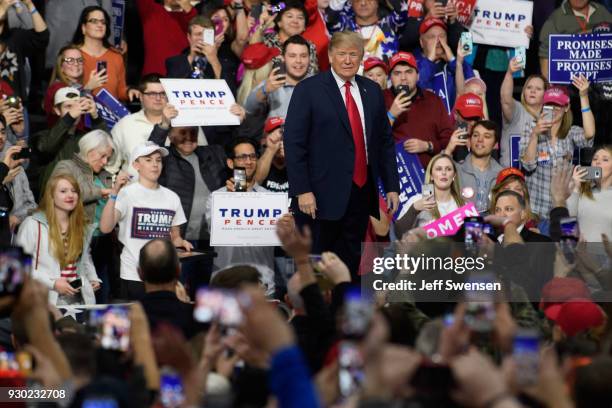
column 346, row 38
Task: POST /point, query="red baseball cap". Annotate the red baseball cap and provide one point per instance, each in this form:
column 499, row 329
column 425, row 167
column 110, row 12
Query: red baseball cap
column 556, row 96
column 272, row 123
column 375, row 62
column 560, row 290
column 257, row 55
column 507, row 172
column 470, row 105
column 429, row 23
column 405, row 57
column 578, row 315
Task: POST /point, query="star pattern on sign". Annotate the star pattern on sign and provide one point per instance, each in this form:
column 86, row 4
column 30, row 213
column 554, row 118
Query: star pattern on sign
column 8, row 65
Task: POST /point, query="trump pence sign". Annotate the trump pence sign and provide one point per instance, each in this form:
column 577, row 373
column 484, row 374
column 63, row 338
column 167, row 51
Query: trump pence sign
column 246, row 219
column 502, row 22
column 200, row 102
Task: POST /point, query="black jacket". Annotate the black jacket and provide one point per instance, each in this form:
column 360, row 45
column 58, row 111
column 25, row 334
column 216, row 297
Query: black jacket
column 165, row 307
column 179, row 66
column 178, row 174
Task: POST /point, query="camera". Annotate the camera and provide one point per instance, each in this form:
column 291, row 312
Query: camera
column 25, row 153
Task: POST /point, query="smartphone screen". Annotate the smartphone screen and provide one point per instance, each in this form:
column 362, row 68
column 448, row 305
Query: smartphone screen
column 101, row 65
column 208, row 36
column 570, row 234
column 480, row 304
column 548, row 113
column 171, row 391
column 467, row 42
column 350, row 368
column 357, row 314
column 217, row 305
column 100, row 402
column 473, row 230
column 526, row 354
column 113, row 327
column 240, row 181
column 279, row 67
column 520, row 55
column 256, row 11
column 14, row 266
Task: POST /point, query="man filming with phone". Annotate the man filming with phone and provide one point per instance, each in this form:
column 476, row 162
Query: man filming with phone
column 274, row 93
column 200, row 60
column 417, row 116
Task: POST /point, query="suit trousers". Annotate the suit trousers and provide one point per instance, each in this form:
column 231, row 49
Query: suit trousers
column 344, row 236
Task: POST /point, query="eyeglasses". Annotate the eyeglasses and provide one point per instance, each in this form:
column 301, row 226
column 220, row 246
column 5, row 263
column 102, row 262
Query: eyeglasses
column 97, row 21
column 73, row 61
column 156, row 95
column 245, row 157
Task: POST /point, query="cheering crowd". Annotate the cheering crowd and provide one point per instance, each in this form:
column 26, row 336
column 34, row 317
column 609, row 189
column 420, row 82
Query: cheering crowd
column 111, row 292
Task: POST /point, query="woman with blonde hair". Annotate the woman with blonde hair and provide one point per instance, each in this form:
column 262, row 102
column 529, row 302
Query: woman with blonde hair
column 68, row 71
column 591, row 200
column 57, row 236
column 442, row 174
column 519, row 118
column 552, row 142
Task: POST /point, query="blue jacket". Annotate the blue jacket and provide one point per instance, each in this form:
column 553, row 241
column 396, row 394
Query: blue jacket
column 289, row 380
column 319, row 147
column 440, row 77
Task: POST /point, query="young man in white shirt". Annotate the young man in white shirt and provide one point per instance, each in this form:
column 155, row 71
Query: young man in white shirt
column 144, row 211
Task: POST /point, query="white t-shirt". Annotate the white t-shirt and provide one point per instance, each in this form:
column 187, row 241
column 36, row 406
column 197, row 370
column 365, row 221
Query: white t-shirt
column 145, row 214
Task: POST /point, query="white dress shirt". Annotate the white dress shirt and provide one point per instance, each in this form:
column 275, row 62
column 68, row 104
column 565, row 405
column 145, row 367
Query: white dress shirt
column 357, row 98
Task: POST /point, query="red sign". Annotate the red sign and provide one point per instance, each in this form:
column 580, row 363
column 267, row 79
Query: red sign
column 465, row 10
column 415, row 8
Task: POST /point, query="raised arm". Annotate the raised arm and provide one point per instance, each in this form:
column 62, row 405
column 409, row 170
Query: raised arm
column 507, row 101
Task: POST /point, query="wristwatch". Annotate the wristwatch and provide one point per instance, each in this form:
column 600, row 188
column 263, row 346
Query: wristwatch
column 429, row 147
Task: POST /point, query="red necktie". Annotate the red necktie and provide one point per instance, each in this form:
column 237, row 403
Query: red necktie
column 360, row 171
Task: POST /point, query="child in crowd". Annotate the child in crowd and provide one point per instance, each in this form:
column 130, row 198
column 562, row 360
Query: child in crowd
column 144, row 210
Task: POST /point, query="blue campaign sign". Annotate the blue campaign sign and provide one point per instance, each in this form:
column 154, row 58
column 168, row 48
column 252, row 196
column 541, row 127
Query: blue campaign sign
column 411, row 176
column 515, row 160
column 109, row 108
column 118, row 8
column 574, row 54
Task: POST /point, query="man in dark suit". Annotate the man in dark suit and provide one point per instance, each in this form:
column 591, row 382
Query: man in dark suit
column 200, row 60
column 527, row 257
column 159, row 269
column 337, row 144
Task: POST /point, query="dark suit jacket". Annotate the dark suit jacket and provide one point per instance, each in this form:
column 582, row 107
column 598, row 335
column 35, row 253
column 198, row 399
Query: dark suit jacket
column 179, row 67
column 165, row 307
column 319, row 146
column 529, row 265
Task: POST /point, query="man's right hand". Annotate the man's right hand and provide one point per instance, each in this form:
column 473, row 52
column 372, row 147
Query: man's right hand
column 121, row 180
column 274, row 81
column 401, row 104
column 8, row 157
column 169, row 113
column 514, row 66
column 308, row 204
column 62, row 287
column 456, row 140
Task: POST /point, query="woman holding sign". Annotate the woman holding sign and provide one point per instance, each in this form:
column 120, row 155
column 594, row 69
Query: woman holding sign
column 440, row 193
column 552, row 142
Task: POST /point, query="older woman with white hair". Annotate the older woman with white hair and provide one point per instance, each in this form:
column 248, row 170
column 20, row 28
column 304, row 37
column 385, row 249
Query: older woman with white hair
column 87, row 166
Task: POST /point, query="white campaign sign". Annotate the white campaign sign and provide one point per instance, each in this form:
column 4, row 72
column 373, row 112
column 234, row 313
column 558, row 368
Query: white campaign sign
column 200, row 102
column 502, row 22
column 246, row 219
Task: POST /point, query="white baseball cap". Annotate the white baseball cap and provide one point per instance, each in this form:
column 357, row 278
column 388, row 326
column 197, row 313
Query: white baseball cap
column 67, row 93
column 146, row 149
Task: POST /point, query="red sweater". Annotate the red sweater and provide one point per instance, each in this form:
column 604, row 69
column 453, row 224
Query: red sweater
column 426, row 119
column 165, row 34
